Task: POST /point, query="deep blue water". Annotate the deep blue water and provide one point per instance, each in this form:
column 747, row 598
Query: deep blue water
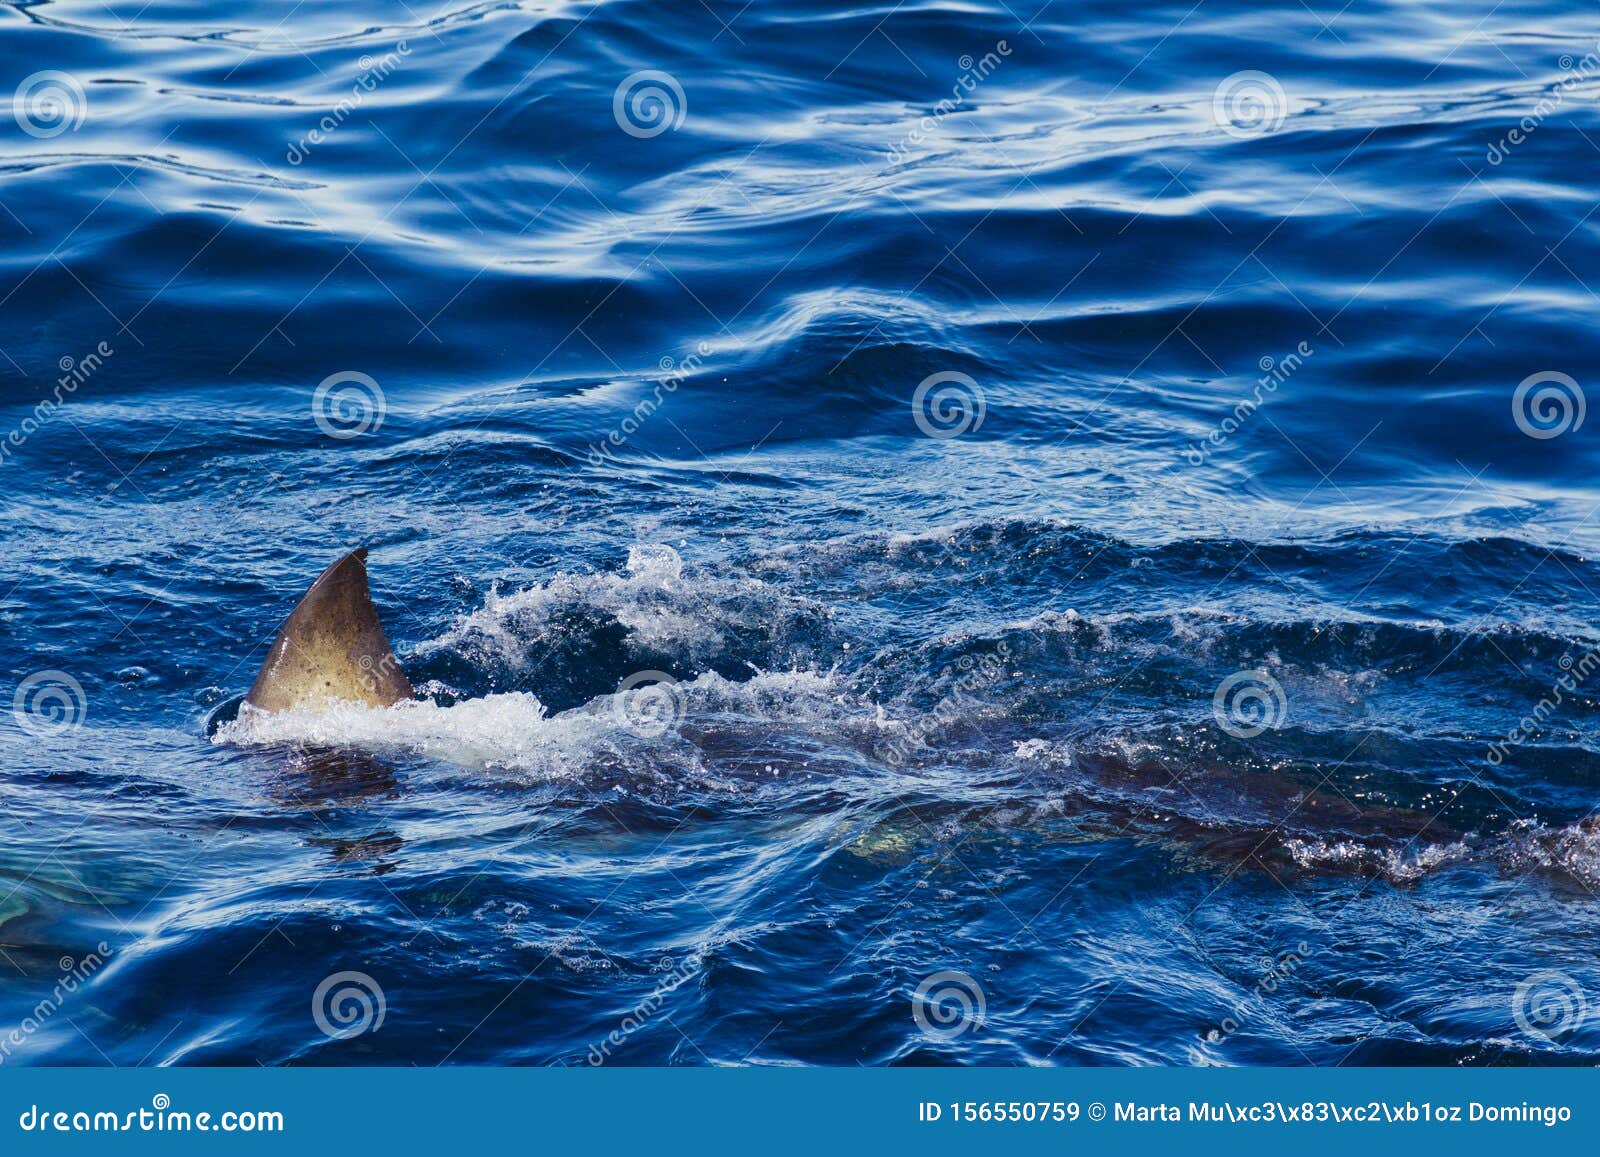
column 1163, row 672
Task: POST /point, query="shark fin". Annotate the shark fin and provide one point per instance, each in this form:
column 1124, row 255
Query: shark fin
column 331, row 648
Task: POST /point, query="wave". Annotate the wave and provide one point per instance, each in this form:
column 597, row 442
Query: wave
column 573, row 635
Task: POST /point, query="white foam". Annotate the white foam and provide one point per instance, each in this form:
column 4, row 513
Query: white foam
column 1403, row 865
column 1573, row 850
column 514, row 732
column 663, row 610
column 510, row 730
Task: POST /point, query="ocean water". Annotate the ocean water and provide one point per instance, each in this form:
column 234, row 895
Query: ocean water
column 926, row 533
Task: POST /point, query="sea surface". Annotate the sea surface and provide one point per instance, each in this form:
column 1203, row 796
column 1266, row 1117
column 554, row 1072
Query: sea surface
column 985, row 532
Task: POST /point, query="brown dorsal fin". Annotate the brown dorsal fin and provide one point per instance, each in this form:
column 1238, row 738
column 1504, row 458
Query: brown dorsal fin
column 331, row 648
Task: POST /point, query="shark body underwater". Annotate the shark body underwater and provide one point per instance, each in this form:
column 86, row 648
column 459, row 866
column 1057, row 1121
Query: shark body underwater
column 331, row 649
